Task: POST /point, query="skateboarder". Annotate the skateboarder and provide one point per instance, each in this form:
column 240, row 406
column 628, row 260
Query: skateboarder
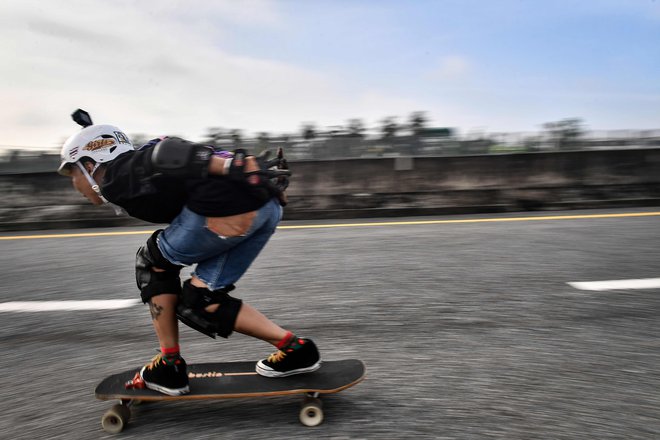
column 221, row 209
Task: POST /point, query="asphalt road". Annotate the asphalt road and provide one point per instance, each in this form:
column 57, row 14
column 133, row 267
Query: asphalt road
column 469, row 331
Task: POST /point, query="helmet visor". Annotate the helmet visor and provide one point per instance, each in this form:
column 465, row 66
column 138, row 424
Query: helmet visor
column 65, row 169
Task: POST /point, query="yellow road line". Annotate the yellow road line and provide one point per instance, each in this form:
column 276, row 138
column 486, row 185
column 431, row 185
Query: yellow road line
column 81, row 234
column 476, row 220
column 363, row 224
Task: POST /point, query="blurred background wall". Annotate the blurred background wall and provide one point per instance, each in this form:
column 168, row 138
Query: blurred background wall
column 35, row 197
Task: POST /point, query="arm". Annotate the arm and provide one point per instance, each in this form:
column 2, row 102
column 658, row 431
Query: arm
column 181, row 158
column 219, row 166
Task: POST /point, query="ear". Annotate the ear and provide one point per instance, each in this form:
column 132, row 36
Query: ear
column 89, row 166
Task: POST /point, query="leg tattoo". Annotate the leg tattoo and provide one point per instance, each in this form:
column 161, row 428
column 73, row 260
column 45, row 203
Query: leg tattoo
column 155, row 310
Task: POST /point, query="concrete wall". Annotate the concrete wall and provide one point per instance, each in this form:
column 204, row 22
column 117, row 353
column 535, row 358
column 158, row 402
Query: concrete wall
column 478, row 183
column 391, row 187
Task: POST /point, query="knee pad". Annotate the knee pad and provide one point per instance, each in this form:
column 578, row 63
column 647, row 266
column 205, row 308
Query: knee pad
column 193, row 300
column 153, row 283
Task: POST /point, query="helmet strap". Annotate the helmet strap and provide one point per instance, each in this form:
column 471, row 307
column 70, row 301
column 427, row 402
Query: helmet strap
column 90, row 179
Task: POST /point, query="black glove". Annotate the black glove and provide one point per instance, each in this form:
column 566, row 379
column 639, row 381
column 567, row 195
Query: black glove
column 268, row 169
column 276, row 169
column 273, row 175
column 281, row 182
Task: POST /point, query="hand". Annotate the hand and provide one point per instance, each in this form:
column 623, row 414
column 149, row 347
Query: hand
column 271, row 175
column 256, row 170
column 252, row 170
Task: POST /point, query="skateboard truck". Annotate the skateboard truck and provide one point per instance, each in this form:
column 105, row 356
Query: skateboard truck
column 137, row 383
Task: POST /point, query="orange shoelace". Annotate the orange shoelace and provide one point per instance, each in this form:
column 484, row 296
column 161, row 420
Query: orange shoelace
column 155, row 361
column 276, row 357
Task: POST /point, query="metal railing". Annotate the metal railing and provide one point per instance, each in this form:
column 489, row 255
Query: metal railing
column 13, row 161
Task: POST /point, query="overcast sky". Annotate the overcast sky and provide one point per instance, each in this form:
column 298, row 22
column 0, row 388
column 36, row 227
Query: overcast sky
column 179, row 67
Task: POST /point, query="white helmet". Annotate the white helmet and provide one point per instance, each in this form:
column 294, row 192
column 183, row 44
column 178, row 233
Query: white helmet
column 101, row 143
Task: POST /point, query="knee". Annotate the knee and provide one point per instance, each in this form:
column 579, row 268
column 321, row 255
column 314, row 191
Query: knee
column 194, row 300
column 154, row 274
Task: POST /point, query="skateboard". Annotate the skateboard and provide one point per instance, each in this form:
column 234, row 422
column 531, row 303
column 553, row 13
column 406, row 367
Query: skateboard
column 226, row 380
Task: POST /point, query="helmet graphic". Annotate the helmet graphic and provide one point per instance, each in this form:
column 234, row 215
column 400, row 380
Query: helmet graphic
column 101, row 143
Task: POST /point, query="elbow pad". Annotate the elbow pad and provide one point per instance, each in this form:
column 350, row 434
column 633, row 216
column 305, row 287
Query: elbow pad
column 177, row 157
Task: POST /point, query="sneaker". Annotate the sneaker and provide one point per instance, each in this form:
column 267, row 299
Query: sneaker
column 300, row 356
column 166, row 376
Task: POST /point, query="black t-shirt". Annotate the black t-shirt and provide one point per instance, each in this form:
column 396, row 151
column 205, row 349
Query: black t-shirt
column 131, row 182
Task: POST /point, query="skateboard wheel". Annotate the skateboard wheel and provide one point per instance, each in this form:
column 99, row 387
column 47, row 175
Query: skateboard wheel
column 115, row 419
column 311, row 413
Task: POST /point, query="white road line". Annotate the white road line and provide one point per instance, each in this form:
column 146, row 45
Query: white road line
column 66, row 306
column 646, row 283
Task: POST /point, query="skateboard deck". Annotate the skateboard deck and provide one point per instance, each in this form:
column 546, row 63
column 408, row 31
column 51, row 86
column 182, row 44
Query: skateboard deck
column 225, row 380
